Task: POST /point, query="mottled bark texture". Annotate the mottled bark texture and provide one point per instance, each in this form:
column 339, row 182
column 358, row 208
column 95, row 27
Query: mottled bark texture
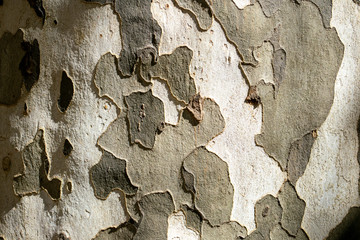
column 86, row 90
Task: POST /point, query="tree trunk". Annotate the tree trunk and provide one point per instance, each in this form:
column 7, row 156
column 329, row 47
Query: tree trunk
column 179, row 119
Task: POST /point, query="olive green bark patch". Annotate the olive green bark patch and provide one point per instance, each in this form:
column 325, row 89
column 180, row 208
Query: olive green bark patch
column 110, row 84
column 125, row 231
column 267, row 215
column 293, row 209
column 36, row 170
column 311, row 68
column 110, row 173
column 145, row 114
column 66, row 92
column 156, row 209
column 200, row 9
column 299, row 156
column 159, row 169
column 11, row 55
column 174, row 69
column 247, row 28
column 325, row 8
column 140, row 33
column 193, row 218
column 226, row 231
column 349, row 227
column 214, row 191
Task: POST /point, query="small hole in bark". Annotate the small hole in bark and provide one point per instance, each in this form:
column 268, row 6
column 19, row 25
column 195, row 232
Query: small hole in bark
column 67, row 148
column 66, row 92
column 69, row 186
column 6, row 164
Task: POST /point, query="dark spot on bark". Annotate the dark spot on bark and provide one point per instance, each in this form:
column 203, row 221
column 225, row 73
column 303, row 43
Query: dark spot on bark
column 69, row 186
column 55, row 22
column 66, row 92
column 110, row 173
column 13, row 57
column 1, row 3
column 63, row 236
column 67, row 147
column 38, row 7
column 357, row 1
column 349, row 227
column 267, row 215
column 6, row 164
column 252, row 97
column 30, row 64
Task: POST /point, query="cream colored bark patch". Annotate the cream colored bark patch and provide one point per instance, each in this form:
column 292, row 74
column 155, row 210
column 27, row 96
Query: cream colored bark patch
column 177, row 229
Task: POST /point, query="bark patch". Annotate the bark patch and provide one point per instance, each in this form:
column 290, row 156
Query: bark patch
column 36, row 170
column 110, row 173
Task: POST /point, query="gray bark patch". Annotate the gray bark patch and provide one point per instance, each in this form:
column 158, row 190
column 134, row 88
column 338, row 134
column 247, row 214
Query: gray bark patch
column 325, row 8
column 293, row 209
column 156, row 209
column 125, row 231
column 174, row 69
column 199, row 9
column 110, row 173
column 299, row 156
column 193, row 218
column 145, row 114
column 214, row 191
column 66, row 92
column 36, row 170
column 267, row 215
column 226, row 231
column 139, row 31
column 109, row 83
column 311, row 68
